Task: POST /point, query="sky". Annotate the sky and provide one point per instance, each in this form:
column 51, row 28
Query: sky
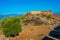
column 22, row 6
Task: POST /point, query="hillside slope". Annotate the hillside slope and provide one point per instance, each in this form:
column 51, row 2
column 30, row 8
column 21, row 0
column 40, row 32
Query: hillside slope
column 37, row 25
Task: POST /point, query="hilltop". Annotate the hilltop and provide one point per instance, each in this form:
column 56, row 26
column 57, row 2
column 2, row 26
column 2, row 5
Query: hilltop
column 37, row 25
column 42, row 16
column 57, row 15
column 39, row 22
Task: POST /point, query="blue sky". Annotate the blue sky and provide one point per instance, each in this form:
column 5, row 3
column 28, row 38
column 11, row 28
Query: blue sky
column 21, row 6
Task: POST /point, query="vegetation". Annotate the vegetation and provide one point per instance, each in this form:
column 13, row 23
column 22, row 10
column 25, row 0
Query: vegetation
column 48, row 17
column 11, row 26
column 21, row 17
column 41, row 34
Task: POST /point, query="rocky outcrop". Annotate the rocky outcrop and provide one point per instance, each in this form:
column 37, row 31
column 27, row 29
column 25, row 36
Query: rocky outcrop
column 40, row 22
column 40, row 17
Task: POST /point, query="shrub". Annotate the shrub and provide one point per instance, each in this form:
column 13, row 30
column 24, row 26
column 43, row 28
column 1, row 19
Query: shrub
column 48, row 17
column 11, row 26
column 41, row 34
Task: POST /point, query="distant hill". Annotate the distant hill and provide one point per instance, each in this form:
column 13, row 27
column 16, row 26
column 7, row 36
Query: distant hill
column 2, row 16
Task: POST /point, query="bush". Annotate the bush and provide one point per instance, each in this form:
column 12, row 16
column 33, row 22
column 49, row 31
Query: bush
column 41, row 34
column 48, row 17
column 11, row 26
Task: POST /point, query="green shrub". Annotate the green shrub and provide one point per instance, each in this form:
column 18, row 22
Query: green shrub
column 48, row 17
column 11, row 26
column 41, row 34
